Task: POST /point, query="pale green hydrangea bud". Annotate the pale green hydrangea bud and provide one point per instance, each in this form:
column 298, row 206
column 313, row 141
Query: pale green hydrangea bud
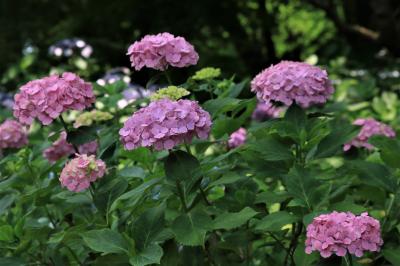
column 171, row 92
column 207, row 73
column 87, row 118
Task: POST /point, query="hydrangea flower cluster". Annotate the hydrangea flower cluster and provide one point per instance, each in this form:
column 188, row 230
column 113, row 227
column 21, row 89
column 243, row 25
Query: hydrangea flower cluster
column 48, row 97
column 61, row 148
column 237, row 138
column 12, row 135
column 171, row 92
column 264, row 111
column 289, row 82
column 207, row 73
column 342, row 232
column 369, row 127
column 162, row 50
column 88, row 118
column 81, row 171
column 164, row 124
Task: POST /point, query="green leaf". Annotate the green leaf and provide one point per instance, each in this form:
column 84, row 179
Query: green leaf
column 271, row 149
column 150, row 255
column 108, row 193
column 190, row 228
column 82, row 135
column 275, row 221
column 341, row 133
column 227, row 178
column 296, row 116
column 302, row 185
column 270, row 197
column 149, row 225
column 374, row 174
column 347, row 206
column 132, row 171
column 389, row 150
column 106, row 241
column 6, row 233
column 301, row 258
column 12, row 261
column 134, row 194
column 232, row 220
column 392, row 255
column 6, row 202
column 181, row 165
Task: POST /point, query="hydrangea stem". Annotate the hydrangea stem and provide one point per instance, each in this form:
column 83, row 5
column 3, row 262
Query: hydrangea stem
column 67, row 131
column 348, row 259
column 181, row 195
column 166, row 73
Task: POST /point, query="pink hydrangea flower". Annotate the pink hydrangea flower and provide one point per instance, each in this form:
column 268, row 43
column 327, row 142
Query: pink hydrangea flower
column 342, row 232
column 162, row 50
column 12, row 135
column 61, row 148
column 237, row 138
column 369, row 127
column 265, row 111
column 164, row 124
column 289, row 82
column 81, row 171
column 46, row 98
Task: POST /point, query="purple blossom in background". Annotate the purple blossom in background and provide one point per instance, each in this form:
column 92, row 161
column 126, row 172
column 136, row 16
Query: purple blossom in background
column 237, row 138
column 164, row 124
column 61, row 148
column 162, row 50
column 12, row 135
column 265, row 111
column 289, row 82
column 369, row 127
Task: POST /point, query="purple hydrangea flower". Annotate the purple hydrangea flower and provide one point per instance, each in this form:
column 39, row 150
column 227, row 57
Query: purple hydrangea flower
column 164, row 124
column 289, row 82
column 162, row 50
column 369, row 127
column 342, row 232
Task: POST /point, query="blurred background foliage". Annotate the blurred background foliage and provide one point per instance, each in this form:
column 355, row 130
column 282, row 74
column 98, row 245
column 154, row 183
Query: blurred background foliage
column 239, row 36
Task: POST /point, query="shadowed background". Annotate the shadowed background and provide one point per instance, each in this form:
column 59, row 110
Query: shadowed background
column 240, row 36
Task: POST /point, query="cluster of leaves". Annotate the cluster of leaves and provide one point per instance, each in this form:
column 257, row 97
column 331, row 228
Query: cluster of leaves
column 202, row 204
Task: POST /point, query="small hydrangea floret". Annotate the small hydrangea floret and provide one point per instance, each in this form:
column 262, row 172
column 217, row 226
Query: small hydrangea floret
column 341, row 232
column 81, row 171
column 161, row 51
column 171, row 92
column 12, row 135
column 289, row 82
column 369, row 127
column 47, row 98
column 207, row 73
column 237, row 138
column 164, row 124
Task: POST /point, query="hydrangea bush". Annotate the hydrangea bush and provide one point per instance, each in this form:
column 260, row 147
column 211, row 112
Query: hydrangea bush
column 211, row 171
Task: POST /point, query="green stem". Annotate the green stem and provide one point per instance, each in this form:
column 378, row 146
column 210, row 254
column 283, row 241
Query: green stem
column 67, row 131
column 181, row 195
column 73, row 255
column 204, row 195
column 348, row 259
column 188, row 148
column 50, row 217
column 166, row 73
